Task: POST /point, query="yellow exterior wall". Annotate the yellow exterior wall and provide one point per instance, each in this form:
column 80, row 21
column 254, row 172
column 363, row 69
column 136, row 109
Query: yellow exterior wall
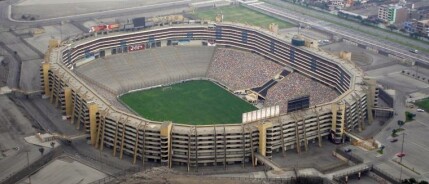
column 93, row 109
column 263, row 138
column 45, row 71
column 68, row 101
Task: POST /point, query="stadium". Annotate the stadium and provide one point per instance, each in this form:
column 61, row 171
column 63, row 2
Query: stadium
column 299, row 95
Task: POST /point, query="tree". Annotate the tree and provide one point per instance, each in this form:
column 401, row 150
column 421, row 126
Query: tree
column 41, row 150
column 413, row 181
column 392, row 27
column 400, row 123
column 394, row 133
column 52, row 144
column 359, row 17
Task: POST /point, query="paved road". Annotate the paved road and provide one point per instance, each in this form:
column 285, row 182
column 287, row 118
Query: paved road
column 7, row 21
column 365, row 39
column 351, row 24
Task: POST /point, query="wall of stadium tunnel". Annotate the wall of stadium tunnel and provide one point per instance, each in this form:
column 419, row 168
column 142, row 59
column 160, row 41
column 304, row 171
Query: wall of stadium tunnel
column 175, row 144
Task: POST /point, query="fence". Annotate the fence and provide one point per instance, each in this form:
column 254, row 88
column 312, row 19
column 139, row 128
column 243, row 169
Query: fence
column 115, row 176
column 292, row 180
column 351, row 173
column 386, row 176
column 350, row 156
column 35, row 166
column 385, row 97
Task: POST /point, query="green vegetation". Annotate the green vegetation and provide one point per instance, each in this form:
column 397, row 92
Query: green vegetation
column 414, row 181
column 399, row 130
column 409, row 116
column 242, row 15
column 423, row 104
column 394, row 131
column 195, row 102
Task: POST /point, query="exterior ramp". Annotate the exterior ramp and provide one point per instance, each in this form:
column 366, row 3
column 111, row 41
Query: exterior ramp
column 267, row 162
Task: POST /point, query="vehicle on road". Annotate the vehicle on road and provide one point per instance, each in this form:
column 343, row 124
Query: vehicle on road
column 420, row 110
column 394, row 140
column 415, row 51
column 400, row 154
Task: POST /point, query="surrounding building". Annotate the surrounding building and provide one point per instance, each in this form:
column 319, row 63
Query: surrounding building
column 393, row 14
column 422, row 27
column 410, row 26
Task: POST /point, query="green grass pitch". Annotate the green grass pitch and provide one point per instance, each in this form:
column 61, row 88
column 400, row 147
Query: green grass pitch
column 423, row 104
column 194, row 102
column 242, row 15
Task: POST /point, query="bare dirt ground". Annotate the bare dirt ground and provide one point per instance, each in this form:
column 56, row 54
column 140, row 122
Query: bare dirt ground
column 163, row 175
column 59, row 8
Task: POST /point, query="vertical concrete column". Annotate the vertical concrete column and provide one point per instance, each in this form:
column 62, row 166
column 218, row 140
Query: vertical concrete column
column 297, row 140
column 370, row 96
column 244, row 144
column 343, row 118
column 334, row 110
column 121, row 153
column 144, row 143
column 136, row 143
column 165, row 134
column 319, row 137
column 93, row 109
column 45, row 75
column 263, row 138
column 54, row 86
column 68, row 101
column 215, row 145
column 115, row 141
column 100, row 134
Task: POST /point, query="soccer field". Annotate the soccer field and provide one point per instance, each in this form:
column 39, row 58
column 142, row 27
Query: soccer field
column 194, row 102
column 242, row 15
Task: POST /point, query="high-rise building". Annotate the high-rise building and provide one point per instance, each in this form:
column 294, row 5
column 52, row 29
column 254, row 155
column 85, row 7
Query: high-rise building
column 422, row 27
column 392, row 14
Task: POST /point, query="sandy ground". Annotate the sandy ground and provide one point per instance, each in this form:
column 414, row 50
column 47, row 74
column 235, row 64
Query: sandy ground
column 30, row 77
column 65, row 170
column 39, row 8
column 14, row 126
column 163, row 175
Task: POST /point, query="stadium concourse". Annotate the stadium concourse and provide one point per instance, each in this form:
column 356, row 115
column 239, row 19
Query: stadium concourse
column 72, row 72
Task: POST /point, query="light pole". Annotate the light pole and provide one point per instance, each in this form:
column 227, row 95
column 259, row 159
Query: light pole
column 27, row 149
column 349, row 151
column 402, row 155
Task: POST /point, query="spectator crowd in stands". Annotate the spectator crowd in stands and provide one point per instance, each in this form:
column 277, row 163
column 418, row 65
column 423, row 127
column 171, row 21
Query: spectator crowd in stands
column 241, row 70
column 296, row 85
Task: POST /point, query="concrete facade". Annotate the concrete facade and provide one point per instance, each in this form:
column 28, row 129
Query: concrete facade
column 393, row 14
column 194, row 146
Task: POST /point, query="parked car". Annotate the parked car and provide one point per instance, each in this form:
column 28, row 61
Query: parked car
column 394, row 140
column 415, row 51
column 400, row 154
column 420, row 110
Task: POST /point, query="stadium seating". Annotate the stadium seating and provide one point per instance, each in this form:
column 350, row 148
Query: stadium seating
column 297, row 85
column 241, row 70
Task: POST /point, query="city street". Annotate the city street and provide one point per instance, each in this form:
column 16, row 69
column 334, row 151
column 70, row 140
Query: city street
column 358, row 36
column 350, row 24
